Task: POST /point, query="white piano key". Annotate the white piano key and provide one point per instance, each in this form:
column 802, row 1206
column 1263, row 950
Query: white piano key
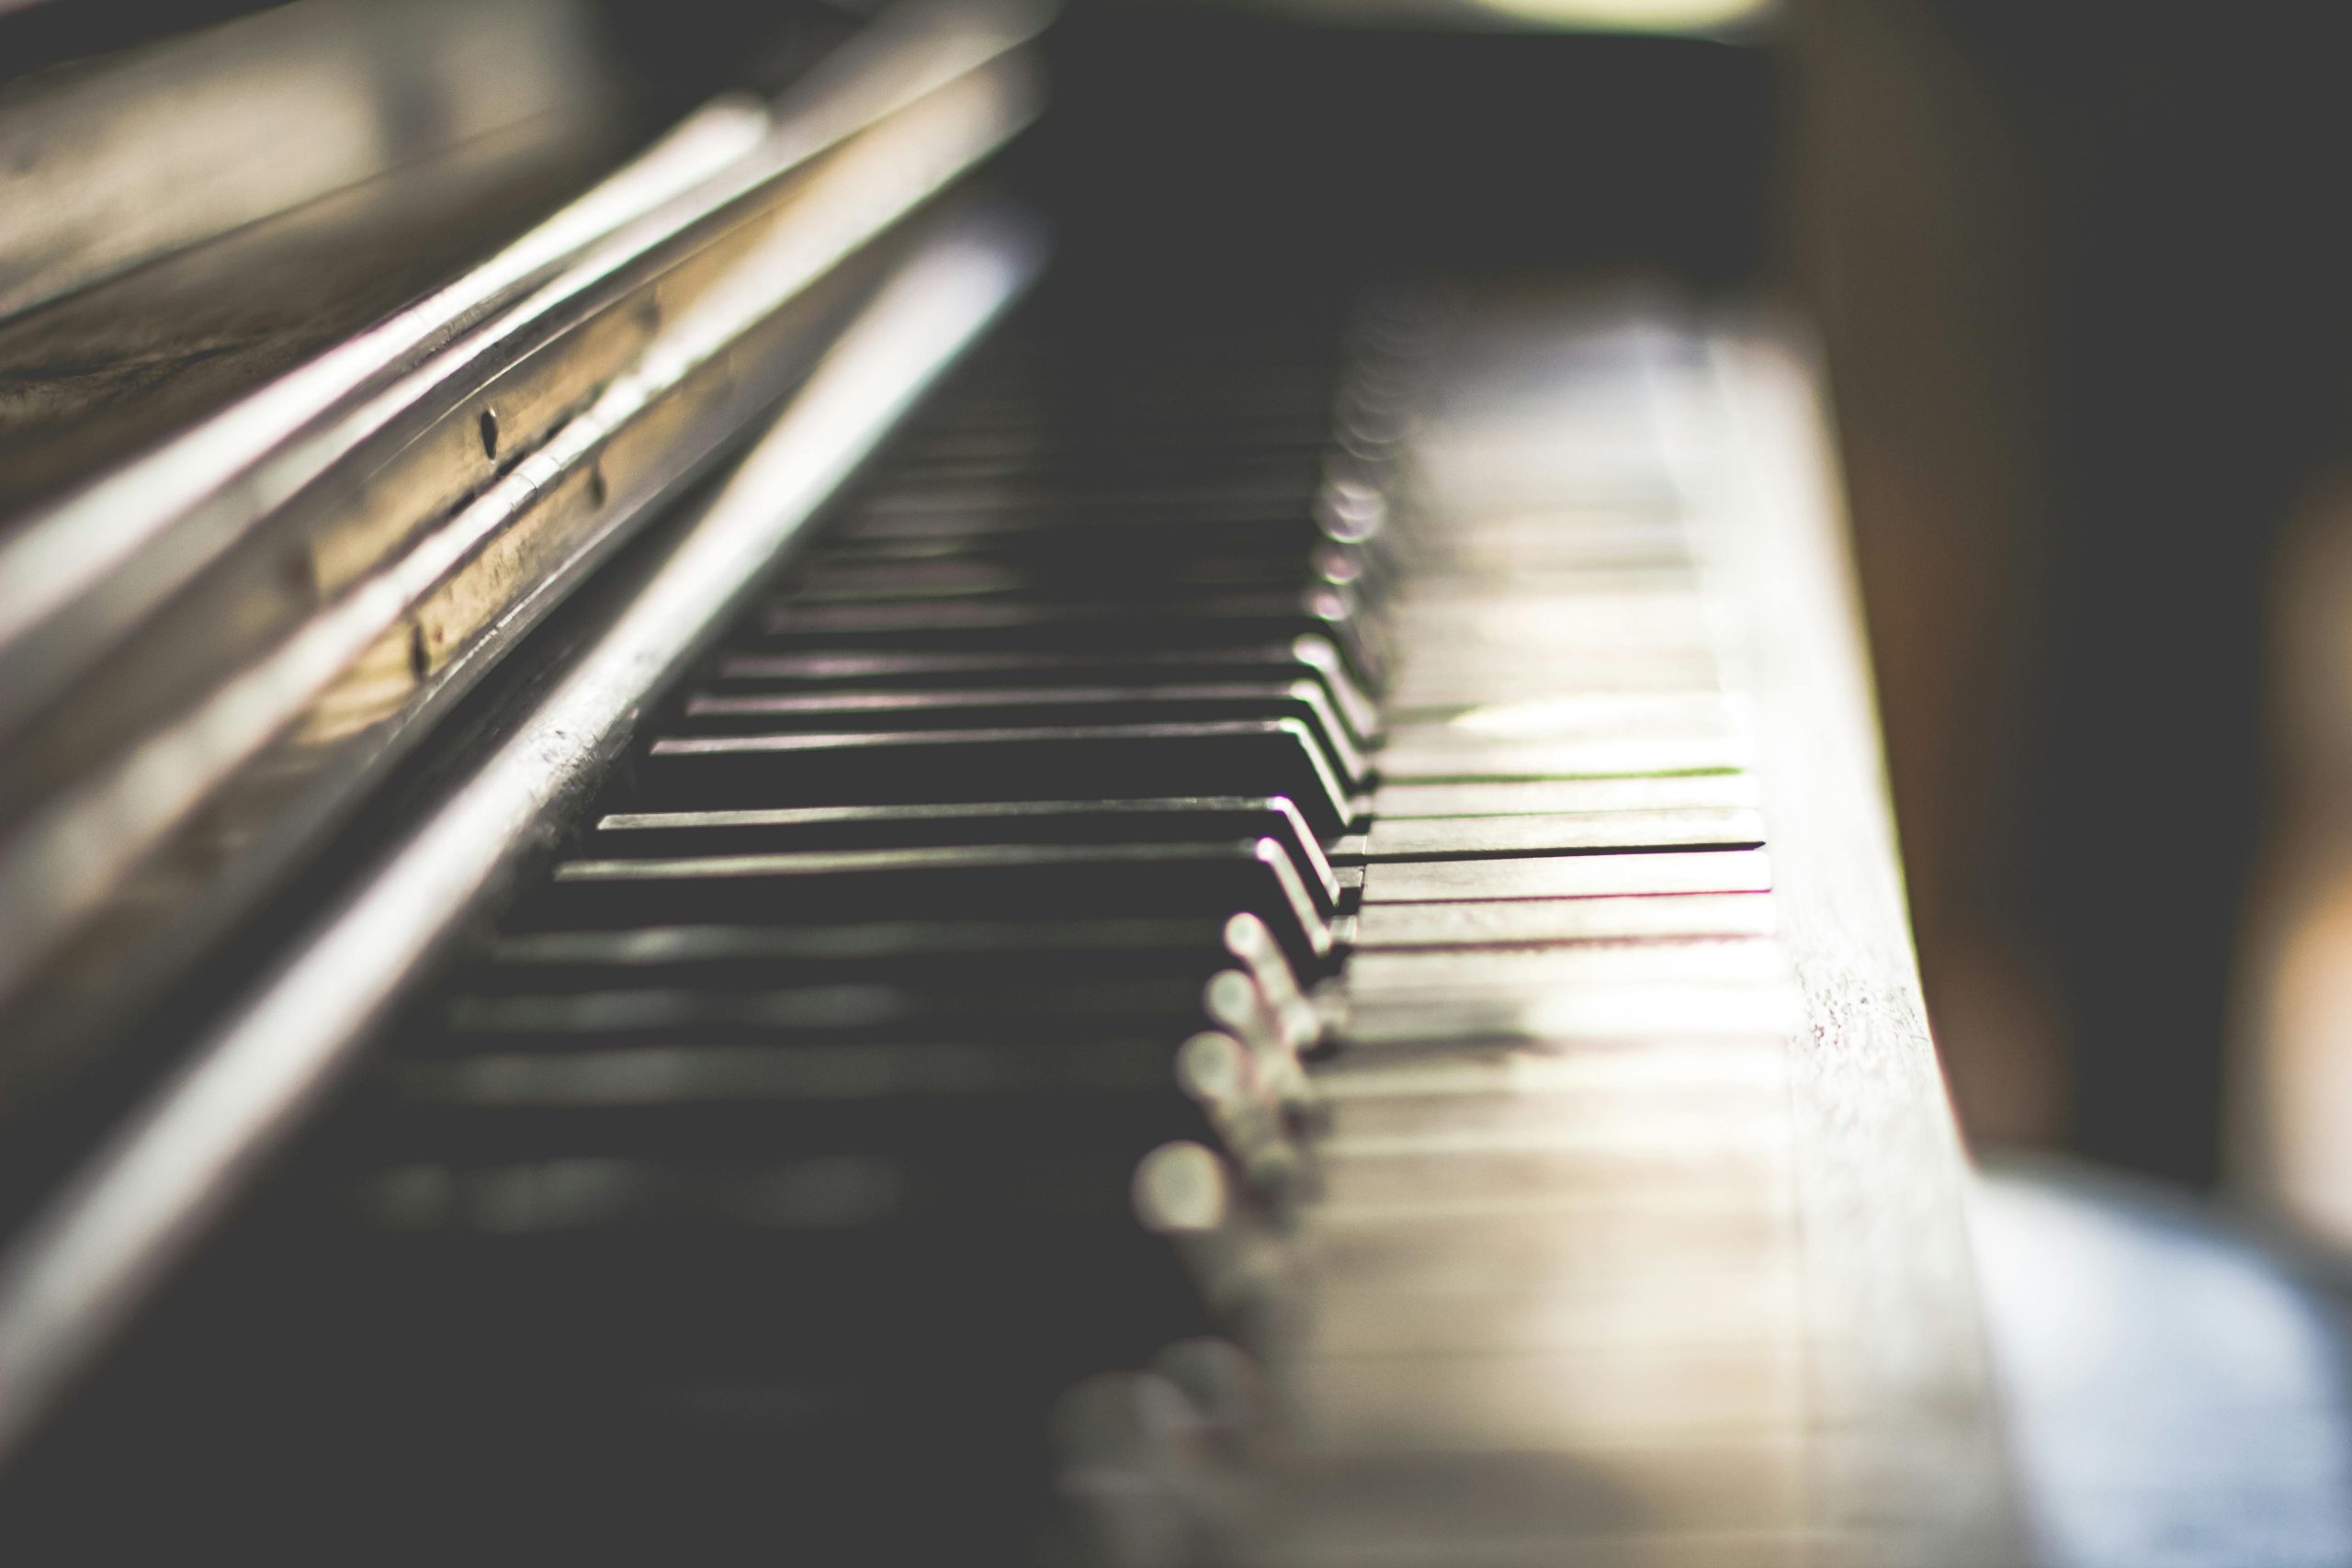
column 1434, row 759
column 1377, row 1509
column 1466, row 837
column 1596, row 1013
column 1737, row 1161
column 1532, row 1075
column 1450, row 637
column 1539, row 1400
column 1566, row 876
column 1582, row 713
column 1375, row 978
column 1444, row 1545
column 1690, row 792
column 1541, row 1240
column 1535, row 921
column 1457, row 679
column 1687, row 1307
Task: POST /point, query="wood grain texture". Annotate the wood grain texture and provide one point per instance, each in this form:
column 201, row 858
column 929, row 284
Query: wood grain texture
column 1905, row 1432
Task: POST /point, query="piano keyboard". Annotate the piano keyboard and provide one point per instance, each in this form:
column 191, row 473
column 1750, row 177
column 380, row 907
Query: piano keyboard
column 1231, row 969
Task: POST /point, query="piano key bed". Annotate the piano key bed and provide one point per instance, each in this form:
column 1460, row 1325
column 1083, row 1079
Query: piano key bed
column 1279, row 946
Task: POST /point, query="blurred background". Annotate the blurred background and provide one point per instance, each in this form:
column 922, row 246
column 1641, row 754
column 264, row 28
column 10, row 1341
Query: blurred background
column 2082, row 286
column 2081, row 289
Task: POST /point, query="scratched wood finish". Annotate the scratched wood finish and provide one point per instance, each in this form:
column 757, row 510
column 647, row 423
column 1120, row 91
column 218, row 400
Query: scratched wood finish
column 1907, row 1433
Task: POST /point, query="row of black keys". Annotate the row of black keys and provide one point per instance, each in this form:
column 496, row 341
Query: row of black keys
column 983, row 857
column 917, row 1029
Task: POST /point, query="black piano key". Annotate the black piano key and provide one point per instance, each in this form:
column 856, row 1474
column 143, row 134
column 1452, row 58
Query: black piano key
column 786, row 1015
column 1269, row 466
column 1268, row 757
column 1020, row 882
column 925, row 952
column 1304, row 658
column 860, row 1272
column 1098, row 1106
column 1299, row 426
column 1101, row 524
column 1046, row 540
column 1210, row 819
column 1016, row 1011
column 1032, row 708
column 1159, row 626
column 1163, row 564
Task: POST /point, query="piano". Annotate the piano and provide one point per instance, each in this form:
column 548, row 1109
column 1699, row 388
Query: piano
column 1074, row 794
